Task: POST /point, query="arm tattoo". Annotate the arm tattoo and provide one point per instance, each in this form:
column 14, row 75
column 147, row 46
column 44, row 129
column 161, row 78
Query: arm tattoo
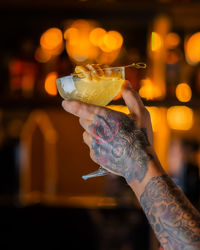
column 119, row 146
column 174, row 220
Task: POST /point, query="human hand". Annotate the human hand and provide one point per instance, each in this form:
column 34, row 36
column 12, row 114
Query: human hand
column 117, row 142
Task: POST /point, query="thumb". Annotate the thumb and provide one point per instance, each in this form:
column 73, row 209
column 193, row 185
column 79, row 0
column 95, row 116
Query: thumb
column 132, row 99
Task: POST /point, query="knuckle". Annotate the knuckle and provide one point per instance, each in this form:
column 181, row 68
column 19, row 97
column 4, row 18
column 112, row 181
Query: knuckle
column 86, row 108
column 92, row 156
column 84, row 135
column 83, row 123
column 76, row 107
column 98, row 109
column 87, row 139
column 80, row 121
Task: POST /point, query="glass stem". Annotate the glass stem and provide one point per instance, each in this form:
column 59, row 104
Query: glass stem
column 100, row 172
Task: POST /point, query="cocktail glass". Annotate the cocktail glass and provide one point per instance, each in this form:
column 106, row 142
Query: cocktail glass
column 99, row 90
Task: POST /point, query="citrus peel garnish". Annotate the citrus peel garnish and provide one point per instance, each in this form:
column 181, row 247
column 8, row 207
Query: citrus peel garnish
column 96, row 72
column 83, row 71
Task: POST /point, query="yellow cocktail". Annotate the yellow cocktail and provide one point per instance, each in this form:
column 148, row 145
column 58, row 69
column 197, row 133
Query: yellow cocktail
column 94, row 90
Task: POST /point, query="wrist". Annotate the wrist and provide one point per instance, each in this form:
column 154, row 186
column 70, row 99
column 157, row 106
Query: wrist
column 151, row 169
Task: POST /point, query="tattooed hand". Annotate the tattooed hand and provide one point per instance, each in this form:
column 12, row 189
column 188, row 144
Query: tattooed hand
column 121, row 144
column 117, row 142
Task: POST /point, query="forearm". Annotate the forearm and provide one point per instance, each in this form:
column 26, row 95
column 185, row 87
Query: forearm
column 174, row 220
column 152, row 168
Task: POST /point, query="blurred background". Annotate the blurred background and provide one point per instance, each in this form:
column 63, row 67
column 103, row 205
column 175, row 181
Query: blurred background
column 44, row 203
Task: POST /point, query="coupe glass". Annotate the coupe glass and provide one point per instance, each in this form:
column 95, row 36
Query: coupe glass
column 97, row 90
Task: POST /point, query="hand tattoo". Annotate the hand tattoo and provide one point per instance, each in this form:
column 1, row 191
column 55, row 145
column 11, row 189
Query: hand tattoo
column 174, row 220
column 119, row 146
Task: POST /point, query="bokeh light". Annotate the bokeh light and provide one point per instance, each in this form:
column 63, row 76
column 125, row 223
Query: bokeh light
column 172, row 40
column 172, row 57
column 107, row 58
column 51, row 38
column 156, row 41
column 180, row 118
column 72, row 35
column 42, row 55
column 155, row 117
column 113, row 40
column 96, row 36
column 149, row 90
column 85, row 42
column 52, row 41
column 192, row 49
column 78, row 45
column 23, row 75
column 183, row 92
column 50, row 83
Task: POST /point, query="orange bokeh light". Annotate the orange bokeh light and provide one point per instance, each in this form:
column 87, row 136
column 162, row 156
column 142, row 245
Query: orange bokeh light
column 113, row 40
column 85, row 42
column 50, row 83
column 104, row 47
column 42, row 55
column 72, row 35
column 172, row 40
column 183, row 92
column 82, row 51
column 172, row 57
column 156, row 41
column 149, row 90
column 52, row 40
column 192, row 49
column 180, row 117
column 78, row 44
column 107, row 58
column 83, row 25
column 155, row 115
column 96, row 35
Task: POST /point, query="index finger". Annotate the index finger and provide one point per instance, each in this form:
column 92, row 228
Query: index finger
column 83, row 110
column 132, row 100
